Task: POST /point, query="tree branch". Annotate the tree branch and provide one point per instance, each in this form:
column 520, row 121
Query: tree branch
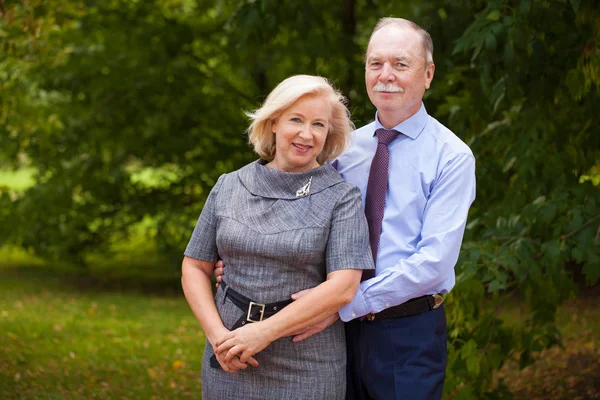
column 498, row 238
column 568, row 235
column 490, row 335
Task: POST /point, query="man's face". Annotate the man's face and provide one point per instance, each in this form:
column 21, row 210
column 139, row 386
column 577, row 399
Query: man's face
column 396, row 75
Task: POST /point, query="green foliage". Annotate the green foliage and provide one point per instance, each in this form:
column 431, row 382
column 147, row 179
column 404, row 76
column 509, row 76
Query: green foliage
column 532, row 130
column 129, row 111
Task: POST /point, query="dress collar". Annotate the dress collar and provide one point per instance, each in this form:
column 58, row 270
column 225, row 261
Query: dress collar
column 263, row 181
column 412, row 127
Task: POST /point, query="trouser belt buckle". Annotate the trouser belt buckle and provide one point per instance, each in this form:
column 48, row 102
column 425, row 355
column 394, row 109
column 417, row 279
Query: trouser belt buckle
column 438, row 300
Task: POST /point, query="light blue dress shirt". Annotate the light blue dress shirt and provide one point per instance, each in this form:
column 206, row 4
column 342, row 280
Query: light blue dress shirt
column 430, row 189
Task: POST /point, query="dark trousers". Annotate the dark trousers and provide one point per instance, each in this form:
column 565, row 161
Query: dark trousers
column 398, row 358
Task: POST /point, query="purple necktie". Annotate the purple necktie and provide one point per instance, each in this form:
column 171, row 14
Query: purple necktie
column 376, row 190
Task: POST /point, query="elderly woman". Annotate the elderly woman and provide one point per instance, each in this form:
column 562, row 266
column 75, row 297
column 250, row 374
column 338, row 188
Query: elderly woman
column 284, row 223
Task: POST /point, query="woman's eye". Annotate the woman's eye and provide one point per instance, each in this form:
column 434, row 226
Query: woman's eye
column 320, row 124
column 295, row 119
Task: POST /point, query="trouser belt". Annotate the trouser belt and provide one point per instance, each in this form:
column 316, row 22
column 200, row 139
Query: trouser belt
column 253, row 312
column 411, row 307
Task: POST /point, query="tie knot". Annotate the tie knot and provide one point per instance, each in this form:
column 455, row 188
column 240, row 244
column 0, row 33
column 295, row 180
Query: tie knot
column 385, row 136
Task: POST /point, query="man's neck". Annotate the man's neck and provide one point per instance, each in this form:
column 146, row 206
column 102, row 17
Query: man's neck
column 390, row 120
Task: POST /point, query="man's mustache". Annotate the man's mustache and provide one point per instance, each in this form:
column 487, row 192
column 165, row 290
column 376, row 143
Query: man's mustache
column 387, row 87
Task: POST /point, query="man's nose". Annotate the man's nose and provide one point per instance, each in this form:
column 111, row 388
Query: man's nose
column 387, row 73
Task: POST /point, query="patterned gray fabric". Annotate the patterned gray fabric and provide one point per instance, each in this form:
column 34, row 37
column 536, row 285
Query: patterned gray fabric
column 275, row 243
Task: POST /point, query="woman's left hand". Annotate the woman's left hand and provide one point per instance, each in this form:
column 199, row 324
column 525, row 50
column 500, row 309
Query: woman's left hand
column 243, row 342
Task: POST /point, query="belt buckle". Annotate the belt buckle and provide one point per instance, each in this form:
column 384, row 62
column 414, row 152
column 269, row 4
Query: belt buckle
column 370, row 316
column 261, row 311
column 438, row 300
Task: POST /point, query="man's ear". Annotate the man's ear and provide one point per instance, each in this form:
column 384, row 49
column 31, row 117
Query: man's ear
column 429, row 71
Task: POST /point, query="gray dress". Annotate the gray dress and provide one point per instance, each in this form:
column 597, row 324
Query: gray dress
column 275, row 242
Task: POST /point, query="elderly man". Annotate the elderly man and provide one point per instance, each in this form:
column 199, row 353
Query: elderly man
column 418, row 181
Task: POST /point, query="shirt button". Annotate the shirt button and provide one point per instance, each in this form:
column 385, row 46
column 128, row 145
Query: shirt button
column 387, row 304
column 353, row 315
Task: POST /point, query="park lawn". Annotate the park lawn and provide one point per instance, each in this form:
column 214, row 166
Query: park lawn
column 61, row 341
column 119, row 333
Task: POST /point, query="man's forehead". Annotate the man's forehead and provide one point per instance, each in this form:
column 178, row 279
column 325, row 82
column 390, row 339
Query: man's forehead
column 394, row 35
column 396, row 42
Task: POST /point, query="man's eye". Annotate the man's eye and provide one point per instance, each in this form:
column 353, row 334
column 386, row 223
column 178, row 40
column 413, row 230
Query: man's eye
column 400, row 65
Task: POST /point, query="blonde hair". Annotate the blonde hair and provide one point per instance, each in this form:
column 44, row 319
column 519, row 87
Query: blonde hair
column 404, row 23
column 260, row 131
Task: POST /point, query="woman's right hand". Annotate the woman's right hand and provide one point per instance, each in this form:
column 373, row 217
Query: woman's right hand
column 234, row 364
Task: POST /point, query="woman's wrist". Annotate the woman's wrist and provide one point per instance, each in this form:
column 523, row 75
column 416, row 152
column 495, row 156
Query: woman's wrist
column 270, row 331
column 215, row 334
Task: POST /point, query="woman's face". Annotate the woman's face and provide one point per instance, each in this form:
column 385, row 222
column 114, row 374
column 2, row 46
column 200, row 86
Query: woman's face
column 300, row 133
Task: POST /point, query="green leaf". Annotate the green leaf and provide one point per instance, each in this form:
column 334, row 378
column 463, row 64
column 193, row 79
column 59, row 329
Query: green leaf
column 525, row 6
column 591, row 270
column 493, row 15
column 490, row 42
column 575, row 4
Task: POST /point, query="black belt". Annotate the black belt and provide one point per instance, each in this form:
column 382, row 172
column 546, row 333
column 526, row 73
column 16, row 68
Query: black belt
column 411, row 307
column 253, row 312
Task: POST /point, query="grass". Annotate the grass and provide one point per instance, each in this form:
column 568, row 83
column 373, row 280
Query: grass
column 122, row 330
column 60, row 339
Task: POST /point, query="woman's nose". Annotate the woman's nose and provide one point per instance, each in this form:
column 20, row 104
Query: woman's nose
column 305, row 132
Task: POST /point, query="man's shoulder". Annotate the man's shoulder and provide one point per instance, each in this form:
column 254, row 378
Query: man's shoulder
column 443, row 134
column 366, row 130
column 360, row 140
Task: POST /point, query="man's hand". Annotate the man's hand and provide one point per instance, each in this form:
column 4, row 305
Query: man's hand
column 219, row 271
column 316, row 328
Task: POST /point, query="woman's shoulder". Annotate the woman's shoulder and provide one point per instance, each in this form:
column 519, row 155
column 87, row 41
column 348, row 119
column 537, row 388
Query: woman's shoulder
column 343, row 189
column 229, row 179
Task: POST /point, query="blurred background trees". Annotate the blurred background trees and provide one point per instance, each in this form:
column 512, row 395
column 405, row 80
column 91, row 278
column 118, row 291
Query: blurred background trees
column 126, row 112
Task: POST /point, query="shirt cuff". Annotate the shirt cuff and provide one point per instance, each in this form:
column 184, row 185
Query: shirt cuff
column 356, row 308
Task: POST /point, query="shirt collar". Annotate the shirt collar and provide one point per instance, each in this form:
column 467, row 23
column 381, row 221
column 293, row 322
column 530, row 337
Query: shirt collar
column 412, row 127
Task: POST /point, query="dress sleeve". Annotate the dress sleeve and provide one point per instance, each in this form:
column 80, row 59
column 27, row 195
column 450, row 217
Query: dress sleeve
column 203, row 243
column 348, row 243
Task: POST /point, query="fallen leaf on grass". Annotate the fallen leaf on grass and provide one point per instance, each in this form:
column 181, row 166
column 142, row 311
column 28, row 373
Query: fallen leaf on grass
column 177, row 364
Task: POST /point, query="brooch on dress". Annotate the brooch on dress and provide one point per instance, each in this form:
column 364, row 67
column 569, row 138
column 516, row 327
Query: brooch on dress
column 304, row 190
